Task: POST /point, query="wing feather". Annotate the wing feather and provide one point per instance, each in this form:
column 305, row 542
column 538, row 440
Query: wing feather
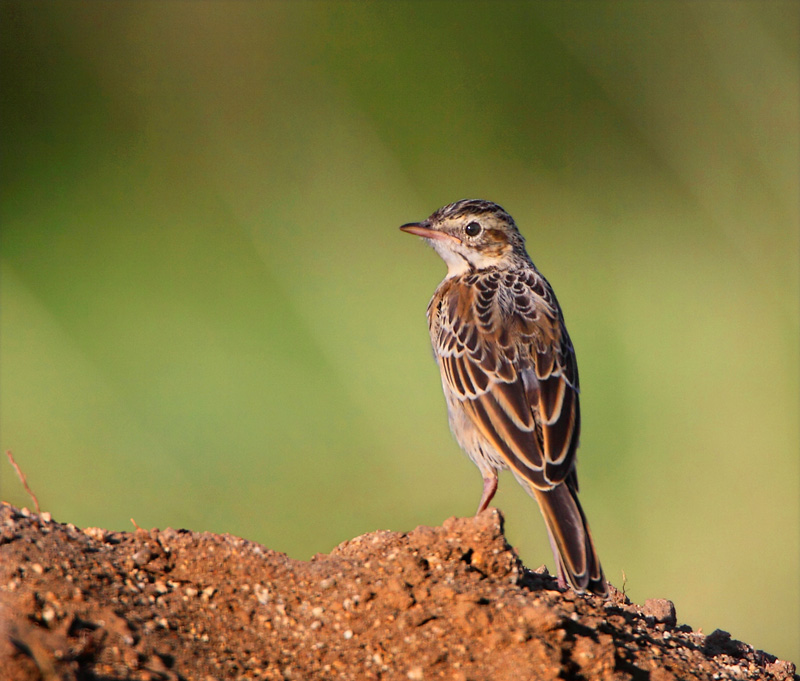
column 552, row 393
column 505, row 354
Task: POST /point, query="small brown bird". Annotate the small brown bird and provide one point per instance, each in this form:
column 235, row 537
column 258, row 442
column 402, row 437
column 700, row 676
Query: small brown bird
column 509, row 372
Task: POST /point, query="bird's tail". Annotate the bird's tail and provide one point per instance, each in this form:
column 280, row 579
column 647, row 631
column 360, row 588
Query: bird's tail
column 571, row 539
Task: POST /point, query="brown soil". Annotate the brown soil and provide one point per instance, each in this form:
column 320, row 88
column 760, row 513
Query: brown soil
column 450, row 602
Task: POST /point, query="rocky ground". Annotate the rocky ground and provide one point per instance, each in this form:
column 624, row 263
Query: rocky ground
column 450, row 602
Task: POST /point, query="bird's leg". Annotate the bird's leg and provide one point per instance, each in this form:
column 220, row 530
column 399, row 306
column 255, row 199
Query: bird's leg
column 489, row 488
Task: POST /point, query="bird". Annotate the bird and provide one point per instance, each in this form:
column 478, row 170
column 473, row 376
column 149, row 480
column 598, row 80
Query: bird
column 509, row 373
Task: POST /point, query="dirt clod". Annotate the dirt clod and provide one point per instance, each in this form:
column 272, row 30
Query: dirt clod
column 661, row 610
column 450, row 602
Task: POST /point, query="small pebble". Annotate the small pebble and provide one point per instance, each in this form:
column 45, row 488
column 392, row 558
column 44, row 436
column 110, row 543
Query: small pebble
column 661, row 610
column 142, row 557
column 96, row 533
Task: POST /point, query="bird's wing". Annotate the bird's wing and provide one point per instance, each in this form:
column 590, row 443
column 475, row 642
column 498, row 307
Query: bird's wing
column 505, row 354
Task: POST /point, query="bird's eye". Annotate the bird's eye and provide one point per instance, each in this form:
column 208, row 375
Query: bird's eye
column 472, row 229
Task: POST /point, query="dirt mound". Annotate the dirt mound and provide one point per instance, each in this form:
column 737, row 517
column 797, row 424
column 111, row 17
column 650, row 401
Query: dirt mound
column 450, row 602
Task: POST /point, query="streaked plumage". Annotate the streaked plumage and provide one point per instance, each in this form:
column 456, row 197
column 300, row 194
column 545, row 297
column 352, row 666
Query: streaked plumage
column 509, row 372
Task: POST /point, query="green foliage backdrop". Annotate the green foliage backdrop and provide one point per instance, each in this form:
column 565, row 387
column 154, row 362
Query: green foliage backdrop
column 210, row 320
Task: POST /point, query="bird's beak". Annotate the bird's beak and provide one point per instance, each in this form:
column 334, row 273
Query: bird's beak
column 423, row 230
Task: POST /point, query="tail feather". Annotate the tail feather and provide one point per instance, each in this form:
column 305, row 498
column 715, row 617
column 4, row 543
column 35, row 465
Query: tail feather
column 573, row 548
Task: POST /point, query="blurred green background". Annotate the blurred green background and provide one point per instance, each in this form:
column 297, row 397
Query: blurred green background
column 210, row 320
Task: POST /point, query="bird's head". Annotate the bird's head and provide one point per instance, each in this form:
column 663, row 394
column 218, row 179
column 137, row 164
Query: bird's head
column 472, row 235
